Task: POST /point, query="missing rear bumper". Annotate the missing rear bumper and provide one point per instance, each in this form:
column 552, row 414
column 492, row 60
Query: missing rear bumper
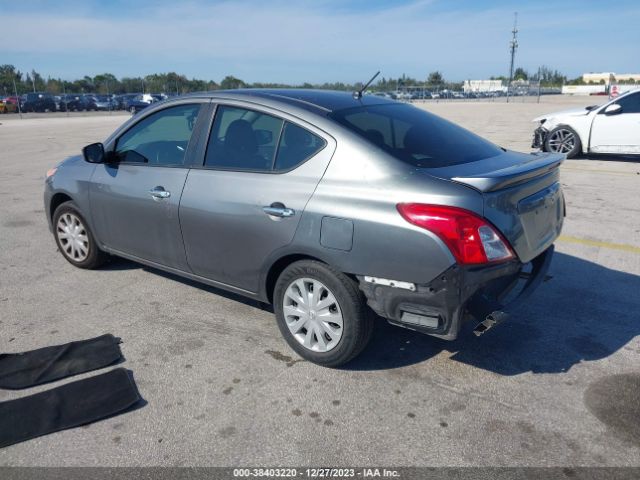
column 494, row 313
column 439, row 308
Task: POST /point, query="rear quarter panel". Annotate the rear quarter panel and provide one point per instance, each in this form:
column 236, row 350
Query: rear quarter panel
column 364, row 185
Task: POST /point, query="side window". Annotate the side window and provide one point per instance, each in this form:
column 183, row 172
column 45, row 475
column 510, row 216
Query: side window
column 159, row 139
column 296, row 145
column 630, row 103
column 243, row 139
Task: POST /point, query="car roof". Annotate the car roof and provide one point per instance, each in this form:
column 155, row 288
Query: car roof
column 317, row 101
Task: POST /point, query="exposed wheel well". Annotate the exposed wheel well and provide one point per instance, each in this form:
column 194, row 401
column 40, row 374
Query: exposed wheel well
column 56, row 200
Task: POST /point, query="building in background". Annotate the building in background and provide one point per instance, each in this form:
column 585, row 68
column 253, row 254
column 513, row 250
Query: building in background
column 484, row 86
column 610, row 77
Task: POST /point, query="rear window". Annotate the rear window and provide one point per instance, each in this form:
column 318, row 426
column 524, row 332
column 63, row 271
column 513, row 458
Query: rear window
column 416, row 136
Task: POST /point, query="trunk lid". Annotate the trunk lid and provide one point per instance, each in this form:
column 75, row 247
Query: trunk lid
column 522, row 196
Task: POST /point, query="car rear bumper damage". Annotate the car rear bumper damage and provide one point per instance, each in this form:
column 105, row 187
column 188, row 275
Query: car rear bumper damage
column 539, row 137
column 440, row 307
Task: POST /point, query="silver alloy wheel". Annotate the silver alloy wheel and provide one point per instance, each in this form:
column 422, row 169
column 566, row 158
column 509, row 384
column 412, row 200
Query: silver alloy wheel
column 562, row 141
column 313, row 314
column 73, row 237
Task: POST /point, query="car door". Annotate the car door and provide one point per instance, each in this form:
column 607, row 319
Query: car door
column 618, row 132
column 244, row 202
column 135, row 197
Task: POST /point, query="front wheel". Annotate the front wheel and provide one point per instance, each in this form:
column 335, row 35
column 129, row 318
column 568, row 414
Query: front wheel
column 565, row 140
column 74, row 238
column 321, row 313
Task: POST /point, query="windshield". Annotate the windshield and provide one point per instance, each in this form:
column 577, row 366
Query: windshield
column 415, row 136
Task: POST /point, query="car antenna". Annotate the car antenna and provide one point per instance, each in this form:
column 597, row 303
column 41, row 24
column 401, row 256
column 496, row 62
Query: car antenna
column 358, row 93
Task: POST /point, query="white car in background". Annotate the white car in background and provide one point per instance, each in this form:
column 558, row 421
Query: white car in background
column 612, row 128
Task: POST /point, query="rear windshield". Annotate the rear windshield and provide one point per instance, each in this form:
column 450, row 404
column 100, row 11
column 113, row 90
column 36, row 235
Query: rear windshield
column 415, row 136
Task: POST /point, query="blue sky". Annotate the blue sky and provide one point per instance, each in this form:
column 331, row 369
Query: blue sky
column 316, row 41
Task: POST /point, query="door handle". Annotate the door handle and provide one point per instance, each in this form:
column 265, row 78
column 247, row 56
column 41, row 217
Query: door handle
column 159, row 192
column 279, row 210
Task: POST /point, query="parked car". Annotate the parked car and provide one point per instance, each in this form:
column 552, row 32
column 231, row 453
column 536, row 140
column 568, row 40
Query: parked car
column 103, row 102
column 13, row 100
column 90, row 101
column 327, row 205
column 58, row 101
column 611, row 128
column 158, row 97
column 38, row 102
column 139, row 103
column 122, row 101
column 7, row 105
column 73, row 102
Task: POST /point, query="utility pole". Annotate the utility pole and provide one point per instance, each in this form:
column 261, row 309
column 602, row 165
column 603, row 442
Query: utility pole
column 513, row 46
column 109, row 96
column 65, row 99
column 15, row 89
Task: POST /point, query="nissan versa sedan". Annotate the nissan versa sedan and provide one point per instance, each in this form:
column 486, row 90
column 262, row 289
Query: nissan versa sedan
column 331, row 206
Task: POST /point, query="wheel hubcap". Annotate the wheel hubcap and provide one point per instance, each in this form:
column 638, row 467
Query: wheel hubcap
column 73, row 237
column 562, row 141
column 313, row 315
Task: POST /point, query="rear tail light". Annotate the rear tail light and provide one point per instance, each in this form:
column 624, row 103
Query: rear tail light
column 471, row 239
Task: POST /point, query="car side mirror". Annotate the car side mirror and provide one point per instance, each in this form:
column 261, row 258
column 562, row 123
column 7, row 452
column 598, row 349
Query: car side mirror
column 613, row 109
column 94, row 153
column 263, row 137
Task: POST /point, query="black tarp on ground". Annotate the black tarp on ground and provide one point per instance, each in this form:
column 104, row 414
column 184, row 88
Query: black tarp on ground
column 28, row 369
column 70, row 405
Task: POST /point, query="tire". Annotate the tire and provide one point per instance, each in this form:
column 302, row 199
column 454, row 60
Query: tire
column 563, row 139
column 88, row 255
column 335, row 346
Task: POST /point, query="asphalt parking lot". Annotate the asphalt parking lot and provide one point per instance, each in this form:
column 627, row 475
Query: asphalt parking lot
column 557, row 385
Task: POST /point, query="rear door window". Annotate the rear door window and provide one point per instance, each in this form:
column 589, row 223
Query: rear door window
column 244, row 139
column 297, row 144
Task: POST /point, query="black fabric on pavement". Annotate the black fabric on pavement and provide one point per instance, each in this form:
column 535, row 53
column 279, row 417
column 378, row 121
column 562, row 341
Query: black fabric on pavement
column 70, row 405
column 28, row 369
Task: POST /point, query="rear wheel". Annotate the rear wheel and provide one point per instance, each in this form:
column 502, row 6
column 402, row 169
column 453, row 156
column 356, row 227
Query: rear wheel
column 565, row 140
column 321, row 313
column 74, row 238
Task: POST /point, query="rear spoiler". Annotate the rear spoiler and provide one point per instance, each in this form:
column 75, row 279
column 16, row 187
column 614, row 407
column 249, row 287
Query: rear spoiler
column 515, row 174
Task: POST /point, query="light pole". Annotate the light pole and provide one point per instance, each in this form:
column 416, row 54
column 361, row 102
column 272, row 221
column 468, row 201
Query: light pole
column 65, row 99
column 513, row 45
column 17, row 97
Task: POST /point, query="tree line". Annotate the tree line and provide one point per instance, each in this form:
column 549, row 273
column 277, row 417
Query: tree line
column 172, row 82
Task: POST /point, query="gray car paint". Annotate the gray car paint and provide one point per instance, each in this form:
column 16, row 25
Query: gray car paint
column 228, row 241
